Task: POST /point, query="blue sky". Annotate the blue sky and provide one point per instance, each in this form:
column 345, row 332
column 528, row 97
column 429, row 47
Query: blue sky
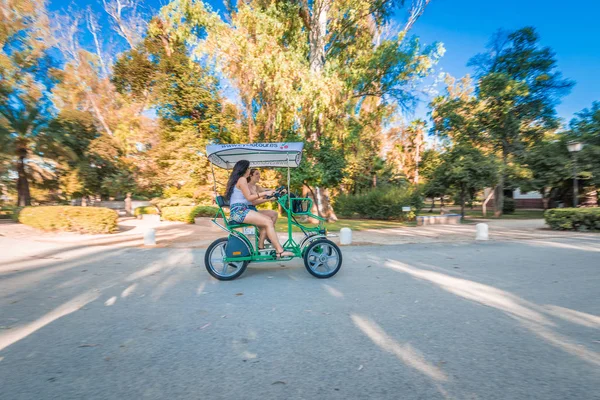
column 570, row 29
column 465, row 26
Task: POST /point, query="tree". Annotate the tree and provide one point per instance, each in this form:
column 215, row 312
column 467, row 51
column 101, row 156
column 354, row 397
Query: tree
column 465, row 170
column 518, row 87
column 329, row 71
column 433, row 186
column 585, row 127
column 190, row 108
column 406, row 147
column 25, row 82
column 549, row 164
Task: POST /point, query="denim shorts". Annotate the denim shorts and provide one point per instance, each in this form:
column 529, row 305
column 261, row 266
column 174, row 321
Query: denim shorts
column 238, row 212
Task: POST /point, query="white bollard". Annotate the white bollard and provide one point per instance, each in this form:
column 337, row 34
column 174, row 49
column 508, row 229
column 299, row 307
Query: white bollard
column 150, row 237
column 482, row 232
column 345, row 236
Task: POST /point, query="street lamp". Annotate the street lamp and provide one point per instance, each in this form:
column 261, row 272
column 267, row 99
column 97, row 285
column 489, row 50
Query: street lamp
column 574, row 147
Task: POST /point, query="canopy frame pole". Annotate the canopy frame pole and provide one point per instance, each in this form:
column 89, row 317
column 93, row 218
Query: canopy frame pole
column 289, row 197
column 212, row 168
column 288, row 180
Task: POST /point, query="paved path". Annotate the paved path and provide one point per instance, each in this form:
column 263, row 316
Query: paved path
column 507, row 319
column 180, row 235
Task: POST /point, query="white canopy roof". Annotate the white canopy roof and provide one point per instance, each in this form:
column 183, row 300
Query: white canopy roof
column 259, row 154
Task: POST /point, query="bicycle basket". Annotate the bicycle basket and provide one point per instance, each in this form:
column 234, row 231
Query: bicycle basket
column 301, row 206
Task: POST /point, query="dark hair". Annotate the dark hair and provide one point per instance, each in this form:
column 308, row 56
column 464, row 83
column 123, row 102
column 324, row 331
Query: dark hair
column 252, row 171
column 239, row 169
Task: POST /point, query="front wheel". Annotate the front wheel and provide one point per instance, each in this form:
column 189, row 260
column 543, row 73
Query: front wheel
column 217, row 267
column 322, row 258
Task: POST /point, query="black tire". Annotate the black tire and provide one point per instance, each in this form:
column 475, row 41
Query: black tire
column 240, row 266
column 309, row 238
column 322, row 248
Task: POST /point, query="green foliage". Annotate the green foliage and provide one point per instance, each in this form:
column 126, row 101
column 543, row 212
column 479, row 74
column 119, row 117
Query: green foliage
column 70, row 219
column 465, row 170
column 380, row 203
column 509, row 206
column 585, row 127
column 187, row 213
column 573, row 218
column 514, row 103
column 10, row 212
column 205, row 211
column 26, row 79
column 145, row 210
column 172, row 202
column 322, row 166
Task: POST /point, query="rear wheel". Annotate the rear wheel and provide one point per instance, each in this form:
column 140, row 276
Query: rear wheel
column 322, row 258
column 217, row 267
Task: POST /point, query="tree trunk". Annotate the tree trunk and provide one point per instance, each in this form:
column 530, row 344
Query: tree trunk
column 545, row 199
column 327, row 210
column 462, row 203
column 250, row 118
column 432, row 204
column 307, row 192
column 24, row 197
column 317, row 33
column 499, row 198
column 499, row 190
column 417, row 157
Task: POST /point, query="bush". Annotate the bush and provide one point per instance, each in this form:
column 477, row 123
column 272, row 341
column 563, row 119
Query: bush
column 10, row 212
column 509, row 206
column 580, row 219
column 15, row 213
column 70, row 219
column 172, row 202
column 187, row 213
column 145, row 210
column 205, row 211
column 380, row 203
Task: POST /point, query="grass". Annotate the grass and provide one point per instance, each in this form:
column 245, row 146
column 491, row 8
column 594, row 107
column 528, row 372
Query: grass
column 364, row 224
column 518, row 214
column 354, row 224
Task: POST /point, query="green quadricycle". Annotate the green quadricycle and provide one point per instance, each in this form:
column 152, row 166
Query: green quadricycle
column 227, row 258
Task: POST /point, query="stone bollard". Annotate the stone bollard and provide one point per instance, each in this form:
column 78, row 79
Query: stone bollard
column 345, row 236
column 482, row 232
column 150, row 237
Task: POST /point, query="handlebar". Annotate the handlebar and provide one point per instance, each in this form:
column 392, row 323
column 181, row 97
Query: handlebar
column 278, row 192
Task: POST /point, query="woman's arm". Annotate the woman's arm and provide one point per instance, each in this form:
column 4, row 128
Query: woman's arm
column 263, row 200
column 260, row 201
column 243, row 186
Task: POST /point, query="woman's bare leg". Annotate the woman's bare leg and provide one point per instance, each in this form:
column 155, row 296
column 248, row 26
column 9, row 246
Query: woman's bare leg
column 263, row 234
column 266, row 224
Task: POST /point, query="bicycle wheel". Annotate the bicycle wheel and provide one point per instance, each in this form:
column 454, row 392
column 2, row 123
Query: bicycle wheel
column 216, row 267
column 322, row 258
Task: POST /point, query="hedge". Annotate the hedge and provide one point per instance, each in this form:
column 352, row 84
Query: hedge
column 187, row 213
column 10, row 212
column 70, row 219
column 145, row 210
column 380, row 203
column 581, row 219
column 172, row 202
column 509, row 206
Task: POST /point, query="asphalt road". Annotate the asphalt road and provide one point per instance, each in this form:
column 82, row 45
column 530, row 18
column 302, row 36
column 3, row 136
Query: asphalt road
column 497, row 320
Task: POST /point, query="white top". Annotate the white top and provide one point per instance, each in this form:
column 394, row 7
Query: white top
column 237, row 197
